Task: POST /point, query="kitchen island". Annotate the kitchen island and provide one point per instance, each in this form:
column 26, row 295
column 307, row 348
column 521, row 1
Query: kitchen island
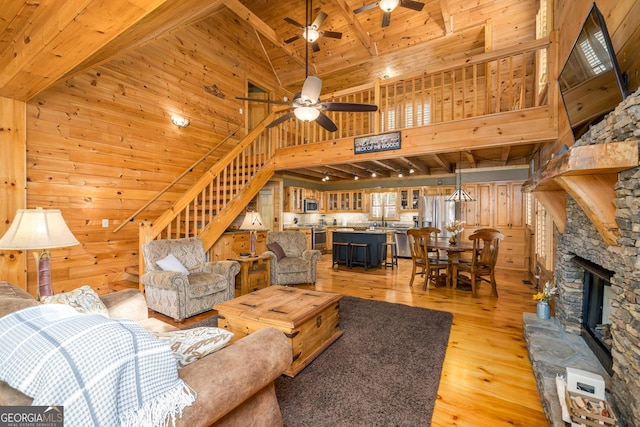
column 375, row 239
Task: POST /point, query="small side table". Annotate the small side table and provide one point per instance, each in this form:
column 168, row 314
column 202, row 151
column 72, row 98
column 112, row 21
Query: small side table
column 255, row 273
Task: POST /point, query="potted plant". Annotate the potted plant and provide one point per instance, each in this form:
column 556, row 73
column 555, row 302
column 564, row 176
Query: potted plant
column 543, row 310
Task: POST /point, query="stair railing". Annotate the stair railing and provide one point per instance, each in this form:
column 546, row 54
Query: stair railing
column 219, row 195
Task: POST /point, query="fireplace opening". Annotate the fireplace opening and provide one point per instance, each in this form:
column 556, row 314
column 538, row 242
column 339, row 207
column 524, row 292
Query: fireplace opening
column 596, row 306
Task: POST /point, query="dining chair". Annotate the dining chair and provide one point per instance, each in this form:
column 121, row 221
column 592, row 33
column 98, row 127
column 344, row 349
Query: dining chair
column 423, row 264
column 482, row 265
column 432, row 233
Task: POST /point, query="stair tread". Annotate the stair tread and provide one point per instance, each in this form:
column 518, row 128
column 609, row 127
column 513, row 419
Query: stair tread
column 123, row 284
column 133, row 269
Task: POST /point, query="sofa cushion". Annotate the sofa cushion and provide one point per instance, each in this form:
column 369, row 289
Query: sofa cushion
column 202, row 284
column 84, row 299
column 171, row 263
column 13, row 298
column 190, row 345
column 276, row 249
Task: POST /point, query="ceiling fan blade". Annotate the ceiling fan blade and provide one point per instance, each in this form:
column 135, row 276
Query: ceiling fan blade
column 324, row 121
column 268, row 101
column 283, row 118
column 332, row 34
column 296, row 23
column 311, row 89
column 294, row 38
column 348, row 107
column 410, row 4
column 367, row 7
column 319, row 19
column 386, row 19
column 315, row 46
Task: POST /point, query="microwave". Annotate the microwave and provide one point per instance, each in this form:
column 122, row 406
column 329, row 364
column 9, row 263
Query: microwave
column 311, row 206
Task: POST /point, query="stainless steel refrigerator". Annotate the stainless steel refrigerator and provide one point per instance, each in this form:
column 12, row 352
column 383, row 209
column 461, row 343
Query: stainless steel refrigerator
column 435, row 211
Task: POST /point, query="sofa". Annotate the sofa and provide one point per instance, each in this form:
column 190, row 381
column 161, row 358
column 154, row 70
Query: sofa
column 291, row 262
column 197, row 288
column 231, row 391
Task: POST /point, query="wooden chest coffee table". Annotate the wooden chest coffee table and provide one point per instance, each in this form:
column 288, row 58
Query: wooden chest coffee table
column 308, row 318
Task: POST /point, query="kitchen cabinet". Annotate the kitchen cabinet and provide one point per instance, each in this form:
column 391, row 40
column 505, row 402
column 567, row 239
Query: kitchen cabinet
column 499, row 205
column 479, row 214
column 409, row 198
column 345, row 201
column 510, row 206
column 294, row 199
column 438, row 190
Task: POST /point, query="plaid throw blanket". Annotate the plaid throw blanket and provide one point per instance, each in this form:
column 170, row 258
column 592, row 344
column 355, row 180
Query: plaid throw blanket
column 105, row 372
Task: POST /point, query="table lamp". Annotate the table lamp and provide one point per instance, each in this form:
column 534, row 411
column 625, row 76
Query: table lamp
column 39, row 229
column 252, row 222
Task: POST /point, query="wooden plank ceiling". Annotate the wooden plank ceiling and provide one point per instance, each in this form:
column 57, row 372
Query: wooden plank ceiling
column 40, row 44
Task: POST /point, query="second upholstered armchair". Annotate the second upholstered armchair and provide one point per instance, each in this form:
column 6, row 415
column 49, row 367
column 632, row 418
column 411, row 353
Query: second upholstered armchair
column 291, row 262
column 180, row 283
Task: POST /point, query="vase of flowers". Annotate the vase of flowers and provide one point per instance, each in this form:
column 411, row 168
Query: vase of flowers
column 455, row 228
column 543, row 310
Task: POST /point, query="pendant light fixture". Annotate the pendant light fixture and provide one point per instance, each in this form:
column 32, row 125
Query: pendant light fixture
column 460, row 195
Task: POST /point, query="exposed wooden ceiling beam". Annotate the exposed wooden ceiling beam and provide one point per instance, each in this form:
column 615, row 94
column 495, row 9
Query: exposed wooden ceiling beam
column 417, row 165
column 504, row 157
column 357, row 27
column 51, row 46
column 443, row 162
column 447, row 18
column 245, row 14
column 470, row 158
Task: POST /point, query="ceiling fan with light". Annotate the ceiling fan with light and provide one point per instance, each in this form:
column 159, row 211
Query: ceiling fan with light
column 306, row 104
column 311, row 33
column 388, row 6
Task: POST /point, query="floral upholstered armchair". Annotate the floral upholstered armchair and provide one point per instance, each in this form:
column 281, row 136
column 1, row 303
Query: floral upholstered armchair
column 180, row 283
column 291, row 262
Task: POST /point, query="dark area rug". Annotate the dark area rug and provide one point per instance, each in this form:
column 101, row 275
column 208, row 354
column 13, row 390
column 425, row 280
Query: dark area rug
column 384, row 370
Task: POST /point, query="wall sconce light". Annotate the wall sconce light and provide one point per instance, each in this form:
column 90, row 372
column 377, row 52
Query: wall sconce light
column 181, row 122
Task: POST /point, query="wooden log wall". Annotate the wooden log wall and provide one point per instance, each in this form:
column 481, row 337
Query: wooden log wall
column 621, row 17
column 101, row 144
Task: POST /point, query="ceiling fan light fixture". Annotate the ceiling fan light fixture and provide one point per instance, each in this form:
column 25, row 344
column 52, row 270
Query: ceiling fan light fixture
column 311, row 35
column 388, row 5
column 306, row 114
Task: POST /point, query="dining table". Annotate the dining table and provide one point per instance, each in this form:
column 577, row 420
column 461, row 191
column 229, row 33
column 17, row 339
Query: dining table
column 454, row 253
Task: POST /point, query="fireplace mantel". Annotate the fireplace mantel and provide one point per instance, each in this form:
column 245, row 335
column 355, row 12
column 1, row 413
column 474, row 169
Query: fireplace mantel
column 588, row 174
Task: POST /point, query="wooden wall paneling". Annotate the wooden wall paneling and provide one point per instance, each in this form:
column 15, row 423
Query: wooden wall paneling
column 102, row 144
column 13, row 170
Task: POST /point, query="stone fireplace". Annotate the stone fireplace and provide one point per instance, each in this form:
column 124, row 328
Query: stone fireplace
column 580, row 241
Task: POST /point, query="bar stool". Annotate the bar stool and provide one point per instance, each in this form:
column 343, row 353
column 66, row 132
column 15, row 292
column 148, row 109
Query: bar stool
column 339, row 249
column 354, row 252
column 394, row 254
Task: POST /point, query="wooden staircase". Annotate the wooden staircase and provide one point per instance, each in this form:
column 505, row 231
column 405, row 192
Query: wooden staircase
column 212, row 203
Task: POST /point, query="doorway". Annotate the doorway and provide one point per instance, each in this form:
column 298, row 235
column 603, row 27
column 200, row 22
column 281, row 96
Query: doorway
column 256, row 111
column 265, row 203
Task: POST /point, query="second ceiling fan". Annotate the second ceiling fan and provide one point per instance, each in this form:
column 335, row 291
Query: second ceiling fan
column 388, row 6
column 306, row 104
column 311, row 32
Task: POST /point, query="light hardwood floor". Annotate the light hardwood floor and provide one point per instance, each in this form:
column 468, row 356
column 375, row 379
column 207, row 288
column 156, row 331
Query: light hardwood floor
column 486, row 377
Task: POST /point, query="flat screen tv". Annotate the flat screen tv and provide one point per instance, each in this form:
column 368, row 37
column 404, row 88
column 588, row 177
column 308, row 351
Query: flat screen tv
column 590, row 82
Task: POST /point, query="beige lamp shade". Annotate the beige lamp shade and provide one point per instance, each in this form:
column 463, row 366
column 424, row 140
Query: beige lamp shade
column 37, row 229
column 252, row 221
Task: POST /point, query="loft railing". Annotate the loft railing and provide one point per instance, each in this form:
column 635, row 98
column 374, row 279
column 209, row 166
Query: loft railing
column 489, row 83
column 486, row 84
